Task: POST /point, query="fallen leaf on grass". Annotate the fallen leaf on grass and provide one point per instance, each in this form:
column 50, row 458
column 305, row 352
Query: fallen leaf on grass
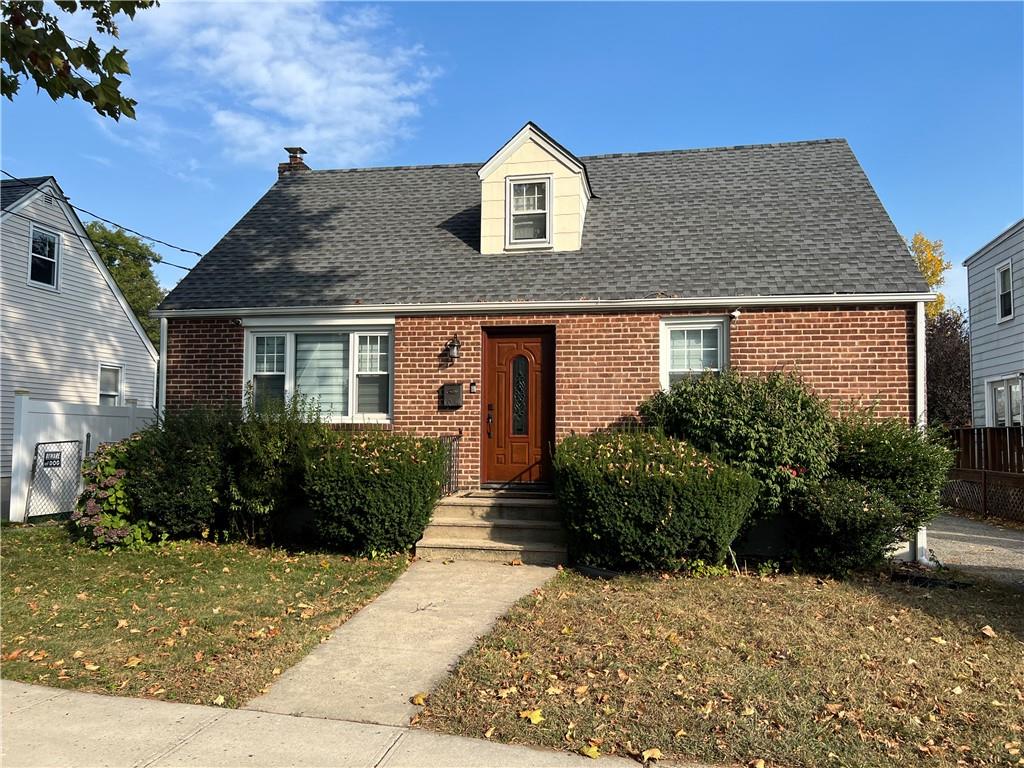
column 78, row 654
column 650, row 754
column 758, row 763
column 504, row 693
column 489, row 732
column 533, row 715
column 219, row 701
column 590, row 751
column 14, row 654
column 419, row 699
column 987, row 631
column 92, row 667
column 133, row 661
column 938, row 640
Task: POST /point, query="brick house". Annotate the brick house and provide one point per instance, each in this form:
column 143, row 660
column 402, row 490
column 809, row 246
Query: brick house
column 553, row 292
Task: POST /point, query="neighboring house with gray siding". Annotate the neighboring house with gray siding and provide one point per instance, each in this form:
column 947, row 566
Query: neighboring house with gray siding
column 995, row 285
column 67, row 332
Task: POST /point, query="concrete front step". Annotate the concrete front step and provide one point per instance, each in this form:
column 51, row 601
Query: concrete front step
column 462, row 549
column 483, row 506
column 507, row 531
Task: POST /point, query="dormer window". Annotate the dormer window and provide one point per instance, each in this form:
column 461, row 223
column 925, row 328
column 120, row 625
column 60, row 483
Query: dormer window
column 529, row 214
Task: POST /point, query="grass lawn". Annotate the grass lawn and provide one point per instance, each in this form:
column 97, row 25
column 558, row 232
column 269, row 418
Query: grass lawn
column 790, row 670
column 187, row 621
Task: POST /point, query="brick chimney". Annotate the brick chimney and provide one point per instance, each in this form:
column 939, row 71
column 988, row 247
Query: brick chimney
column 295, row 162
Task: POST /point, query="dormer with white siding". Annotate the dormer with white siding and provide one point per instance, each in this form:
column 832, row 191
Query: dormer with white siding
column 533, row 196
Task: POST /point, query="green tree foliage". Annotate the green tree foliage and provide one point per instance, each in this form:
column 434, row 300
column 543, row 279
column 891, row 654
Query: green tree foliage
column 949, row 369
column 34, row 46
column 130, row 261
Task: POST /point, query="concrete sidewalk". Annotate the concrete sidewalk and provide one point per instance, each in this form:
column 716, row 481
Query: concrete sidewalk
column 402, row 643
column 45, row 727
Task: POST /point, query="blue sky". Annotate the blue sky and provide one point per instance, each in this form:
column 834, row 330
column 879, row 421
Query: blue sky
column 930, row 96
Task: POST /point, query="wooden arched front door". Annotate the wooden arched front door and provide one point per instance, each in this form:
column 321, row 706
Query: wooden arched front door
column 518, row 418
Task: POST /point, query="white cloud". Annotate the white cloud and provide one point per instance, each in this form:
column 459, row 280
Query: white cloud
column 263, row 76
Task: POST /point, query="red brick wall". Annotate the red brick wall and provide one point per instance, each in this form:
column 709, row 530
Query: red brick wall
column 605, row 364
column 204, row 362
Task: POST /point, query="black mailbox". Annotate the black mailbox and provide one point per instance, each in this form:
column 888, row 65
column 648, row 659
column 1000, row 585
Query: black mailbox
column 451, row 395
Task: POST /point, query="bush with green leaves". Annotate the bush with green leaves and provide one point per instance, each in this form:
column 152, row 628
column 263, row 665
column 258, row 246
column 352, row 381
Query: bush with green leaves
column 102, row 517
column 372, row 492
column 176, row 471
column 845, row 526
column 770, row 425
column 907, row 464
column 267, row 453
column 640, row 501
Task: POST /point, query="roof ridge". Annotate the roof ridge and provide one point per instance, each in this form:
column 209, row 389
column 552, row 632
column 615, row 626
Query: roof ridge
column 726, row 148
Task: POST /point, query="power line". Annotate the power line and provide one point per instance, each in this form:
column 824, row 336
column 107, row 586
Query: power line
column 85, row 241
column 67, row 200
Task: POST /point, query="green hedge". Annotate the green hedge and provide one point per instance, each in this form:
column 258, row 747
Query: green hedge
column 771, row 426
column 373, row 492
column 644, row 501
column 907, row 464
column 844, row 526
column 176, row 472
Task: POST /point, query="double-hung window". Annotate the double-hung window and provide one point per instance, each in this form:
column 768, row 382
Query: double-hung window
column 44, row 258
column 1006, row 402
column 345, row 373
column 529, row 211
column 691, row 346
column 110, row 384
column 1004, row 292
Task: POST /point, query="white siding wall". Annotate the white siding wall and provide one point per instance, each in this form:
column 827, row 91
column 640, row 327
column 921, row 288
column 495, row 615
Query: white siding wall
column 52, row 343
column 997, row 349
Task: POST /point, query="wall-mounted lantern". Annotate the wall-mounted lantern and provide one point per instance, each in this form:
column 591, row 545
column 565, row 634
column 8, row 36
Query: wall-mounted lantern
column 452, row 348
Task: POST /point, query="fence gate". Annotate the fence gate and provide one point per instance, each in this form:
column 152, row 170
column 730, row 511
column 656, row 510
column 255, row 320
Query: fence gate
column 56, row 478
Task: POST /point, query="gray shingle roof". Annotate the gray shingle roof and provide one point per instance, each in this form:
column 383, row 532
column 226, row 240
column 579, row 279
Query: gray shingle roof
column 778, row 219
column 12, row 190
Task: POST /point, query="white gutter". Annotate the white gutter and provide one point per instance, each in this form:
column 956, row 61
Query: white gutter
column 919, row 543
column 532, row 307
column 162, row 400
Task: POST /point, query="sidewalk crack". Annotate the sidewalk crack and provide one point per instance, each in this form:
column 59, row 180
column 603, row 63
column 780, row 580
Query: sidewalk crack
column 390, row 749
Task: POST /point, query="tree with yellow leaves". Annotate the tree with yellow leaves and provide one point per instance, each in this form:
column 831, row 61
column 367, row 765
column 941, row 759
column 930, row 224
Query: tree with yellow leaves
column 931, row 260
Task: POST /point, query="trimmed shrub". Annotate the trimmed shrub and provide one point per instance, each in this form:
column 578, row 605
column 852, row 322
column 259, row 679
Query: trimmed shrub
column 846, row 526
column 373, row 492
column 267, row 454
column 176, row 472
column 908, row 465
column 771, row 426
column 102, row 516
column 635, row 501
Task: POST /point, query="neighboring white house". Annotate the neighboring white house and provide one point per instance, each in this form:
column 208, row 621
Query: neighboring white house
column 995, row 287
column 67, row 332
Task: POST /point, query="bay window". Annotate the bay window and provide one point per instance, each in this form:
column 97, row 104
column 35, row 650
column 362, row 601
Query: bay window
column 346, row 372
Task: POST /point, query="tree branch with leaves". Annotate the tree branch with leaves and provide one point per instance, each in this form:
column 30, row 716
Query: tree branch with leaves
column 931, row 260
column 34, row 47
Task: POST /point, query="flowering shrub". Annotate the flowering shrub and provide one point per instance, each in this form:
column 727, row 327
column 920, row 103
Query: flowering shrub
column 645, row 501
column 372, row 492
column 102, row 516
column 771, row 426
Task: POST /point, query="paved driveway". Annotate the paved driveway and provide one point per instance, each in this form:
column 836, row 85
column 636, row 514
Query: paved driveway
column 979, row 548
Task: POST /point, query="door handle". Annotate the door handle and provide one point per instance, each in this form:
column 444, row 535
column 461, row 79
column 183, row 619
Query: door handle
column 490, row 418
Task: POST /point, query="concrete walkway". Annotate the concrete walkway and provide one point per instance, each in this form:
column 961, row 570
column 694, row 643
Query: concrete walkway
column 978, row 548
column 45, row 727
column 402, row 643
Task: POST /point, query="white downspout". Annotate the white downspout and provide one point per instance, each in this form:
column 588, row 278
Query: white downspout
column 162, row 400
column 919, row 544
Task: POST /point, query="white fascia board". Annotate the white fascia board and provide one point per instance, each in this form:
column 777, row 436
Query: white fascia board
column 307, row 321
column 248, row 314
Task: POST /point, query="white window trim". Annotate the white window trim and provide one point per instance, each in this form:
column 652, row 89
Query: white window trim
column 1007, row 265
column 548, row 181
column 669, row 324
column 990, row 396
column 354, row 331
column 120, row 381
column 58, row 264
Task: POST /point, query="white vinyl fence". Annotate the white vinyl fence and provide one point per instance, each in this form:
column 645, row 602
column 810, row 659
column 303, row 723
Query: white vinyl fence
column 50, row 440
